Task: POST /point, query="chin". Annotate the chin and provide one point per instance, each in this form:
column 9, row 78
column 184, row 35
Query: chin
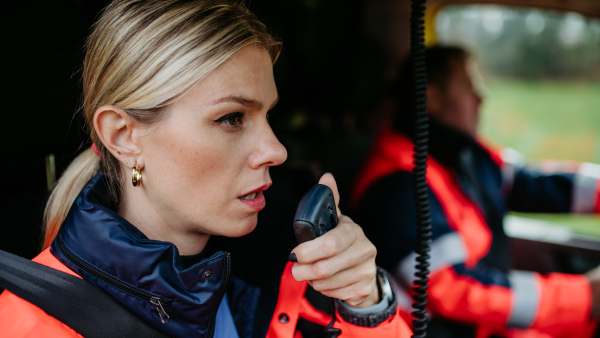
column 243, row 227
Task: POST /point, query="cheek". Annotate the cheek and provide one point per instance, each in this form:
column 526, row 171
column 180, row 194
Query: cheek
column 191, row 175
column 465, row 107
column 454, row 108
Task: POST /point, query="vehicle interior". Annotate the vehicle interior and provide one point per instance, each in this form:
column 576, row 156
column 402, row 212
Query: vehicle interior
column 539, row 62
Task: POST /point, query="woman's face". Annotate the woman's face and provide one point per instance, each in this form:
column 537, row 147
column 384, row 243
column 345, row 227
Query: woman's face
column 207, row 163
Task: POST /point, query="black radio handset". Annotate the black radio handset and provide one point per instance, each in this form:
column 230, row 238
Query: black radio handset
column 315, row 216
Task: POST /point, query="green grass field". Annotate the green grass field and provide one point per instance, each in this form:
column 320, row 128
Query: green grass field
column 546, row 120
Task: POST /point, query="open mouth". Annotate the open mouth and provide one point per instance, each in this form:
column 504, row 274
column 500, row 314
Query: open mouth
column 255, row 199
column 250, row 196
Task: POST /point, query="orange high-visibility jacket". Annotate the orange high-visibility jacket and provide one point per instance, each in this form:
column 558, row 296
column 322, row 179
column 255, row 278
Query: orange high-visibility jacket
column 95, row 241
column 467, row 284
column 19, row 318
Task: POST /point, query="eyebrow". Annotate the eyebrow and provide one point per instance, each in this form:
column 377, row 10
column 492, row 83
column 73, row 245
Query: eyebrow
column 244, row 101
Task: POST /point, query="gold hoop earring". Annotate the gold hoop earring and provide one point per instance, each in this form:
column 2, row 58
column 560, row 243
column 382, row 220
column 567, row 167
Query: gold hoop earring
column 136, row 178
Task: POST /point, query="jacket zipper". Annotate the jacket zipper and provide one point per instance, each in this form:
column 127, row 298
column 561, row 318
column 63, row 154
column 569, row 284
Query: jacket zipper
column 213, row 318
column 157, row 302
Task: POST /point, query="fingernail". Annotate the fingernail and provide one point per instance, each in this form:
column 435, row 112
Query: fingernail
column 328, row 173
column 293, row 258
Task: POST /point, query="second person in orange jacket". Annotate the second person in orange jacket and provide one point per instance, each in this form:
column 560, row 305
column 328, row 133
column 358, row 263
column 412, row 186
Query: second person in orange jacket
column 473, row 290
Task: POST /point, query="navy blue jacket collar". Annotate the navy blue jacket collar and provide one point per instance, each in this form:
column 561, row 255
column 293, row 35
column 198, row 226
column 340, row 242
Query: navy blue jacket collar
column 143, row 274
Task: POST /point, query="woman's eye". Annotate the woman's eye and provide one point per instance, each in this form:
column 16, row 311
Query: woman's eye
column 234, row 119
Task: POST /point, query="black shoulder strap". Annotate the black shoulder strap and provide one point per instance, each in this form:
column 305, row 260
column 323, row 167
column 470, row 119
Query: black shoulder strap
column 85, row 308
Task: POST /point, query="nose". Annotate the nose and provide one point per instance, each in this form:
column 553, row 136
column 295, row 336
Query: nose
column 269, row 151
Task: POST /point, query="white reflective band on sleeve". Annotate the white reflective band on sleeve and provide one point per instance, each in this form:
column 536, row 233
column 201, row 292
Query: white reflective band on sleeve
column 585, row 190
column 447, row 250
column 513, row 162
column 526, row 299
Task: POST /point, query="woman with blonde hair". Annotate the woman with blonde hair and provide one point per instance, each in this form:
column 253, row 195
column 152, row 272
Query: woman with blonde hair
column 177, row 93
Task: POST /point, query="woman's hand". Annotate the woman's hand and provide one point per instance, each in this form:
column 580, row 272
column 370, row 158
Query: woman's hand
column 341, row 263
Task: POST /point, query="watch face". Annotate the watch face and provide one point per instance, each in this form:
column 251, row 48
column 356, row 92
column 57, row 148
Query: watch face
column 385, row 289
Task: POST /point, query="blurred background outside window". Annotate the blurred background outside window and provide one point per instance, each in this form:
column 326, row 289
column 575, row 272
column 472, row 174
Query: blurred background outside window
column 540, row 80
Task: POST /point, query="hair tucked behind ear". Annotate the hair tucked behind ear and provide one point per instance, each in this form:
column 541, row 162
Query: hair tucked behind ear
column 141, row 56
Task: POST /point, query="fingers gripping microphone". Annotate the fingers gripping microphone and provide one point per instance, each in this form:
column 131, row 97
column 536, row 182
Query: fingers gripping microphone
column 315, row 216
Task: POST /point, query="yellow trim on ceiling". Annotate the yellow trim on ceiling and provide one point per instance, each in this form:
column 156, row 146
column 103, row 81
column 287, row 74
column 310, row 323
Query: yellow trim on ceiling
column 430, row 15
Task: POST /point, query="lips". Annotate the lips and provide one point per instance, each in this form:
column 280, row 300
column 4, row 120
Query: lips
column 255, row 199
column 257, row 203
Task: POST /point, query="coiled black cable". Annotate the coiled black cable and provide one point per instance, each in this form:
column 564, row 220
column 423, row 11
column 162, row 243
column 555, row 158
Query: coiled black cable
column 420, row 189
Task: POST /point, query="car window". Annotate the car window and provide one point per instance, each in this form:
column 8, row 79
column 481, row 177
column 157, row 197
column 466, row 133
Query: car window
column 540, row 77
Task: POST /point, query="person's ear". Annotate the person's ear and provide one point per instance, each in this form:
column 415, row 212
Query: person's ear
column 115, row 128
column 434, row 100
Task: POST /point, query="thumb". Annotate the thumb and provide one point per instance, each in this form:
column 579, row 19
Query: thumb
column 328, row 180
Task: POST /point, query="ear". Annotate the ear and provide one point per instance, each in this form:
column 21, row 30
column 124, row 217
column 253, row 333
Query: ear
column 434, row 100
column 115, row 128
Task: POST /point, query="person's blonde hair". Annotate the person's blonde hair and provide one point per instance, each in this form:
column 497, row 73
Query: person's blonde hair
column 141, row 56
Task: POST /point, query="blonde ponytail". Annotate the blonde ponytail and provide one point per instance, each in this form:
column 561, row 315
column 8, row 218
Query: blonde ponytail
column 141, row 57
column 79, row 172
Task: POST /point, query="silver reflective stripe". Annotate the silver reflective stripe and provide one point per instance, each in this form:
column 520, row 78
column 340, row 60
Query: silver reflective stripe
column 526, row 299
column 447, row 250
column 584, row 188
column 513, row 162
